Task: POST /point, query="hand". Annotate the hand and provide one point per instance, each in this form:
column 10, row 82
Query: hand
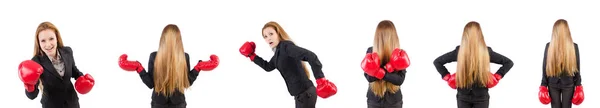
column 248, row 50
column 371, row 65
column 29, row 73
column 130, row 65
column 544, row 95
column 208, row 65
column 451, row 79
column 398, row 61
column 578, row 95
column 84, row 84
column 325, row 88
column 494, row 80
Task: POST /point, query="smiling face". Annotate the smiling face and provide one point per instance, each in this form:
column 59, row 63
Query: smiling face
column 48, row 42
column 271, row 36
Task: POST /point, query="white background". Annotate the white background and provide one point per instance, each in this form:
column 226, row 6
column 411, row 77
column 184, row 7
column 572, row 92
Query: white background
column 337, row 31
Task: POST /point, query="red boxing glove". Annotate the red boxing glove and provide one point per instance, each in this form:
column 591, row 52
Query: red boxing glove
column 370, row 64
column 208, row 65
column 578, row 95
column 494, row 80
column 84, row 84
column 325, row 88
column 130, row 65
column 451, row 79
column 398, row 61
column 29, row 72
column 248, row 50
column 544, row 95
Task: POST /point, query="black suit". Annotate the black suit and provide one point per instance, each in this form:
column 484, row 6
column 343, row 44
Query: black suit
column 177, row 99
column 388, row 100
column 475, row 96
column 561, row 88
column 58, row 91
column 288, row 60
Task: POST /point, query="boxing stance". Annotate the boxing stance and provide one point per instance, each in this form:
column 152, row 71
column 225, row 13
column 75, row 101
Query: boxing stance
column 169, row 71
column 561, row 80
column 385, row 68
column 288, row 60
column 472, row 78
column 51, row 69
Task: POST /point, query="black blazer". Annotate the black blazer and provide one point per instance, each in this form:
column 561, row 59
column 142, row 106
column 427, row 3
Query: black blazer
column 396, row 78
column 58, row 92
column 288, row 60
column 475, row 92
column 563, row 80
column 177, row 99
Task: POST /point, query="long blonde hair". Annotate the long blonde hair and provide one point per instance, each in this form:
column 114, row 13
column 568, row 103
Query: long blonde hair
column 473, row 63
column 561, row 56
column 283, row 36
column 37, row 50
column 386, row 40
column 170, row 66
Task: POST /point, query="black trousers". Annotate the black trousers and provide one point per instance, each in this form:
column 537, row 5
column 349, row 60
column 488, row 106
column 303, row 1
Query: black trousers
column 561, row 96
column 397, row 105
column 182, row 105
column 306, row 99
column 473, row 104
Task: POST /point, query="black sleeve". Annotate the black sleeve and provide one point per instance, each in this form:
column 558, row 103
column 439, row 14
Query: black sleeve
column 577, row 77
column 497, row 58
column 544, row 77
column 306, row 55
column 267, row 66
column 34, row 94
column 148, row 76
column 442, row 60
column 75, row 73
column 193, row 73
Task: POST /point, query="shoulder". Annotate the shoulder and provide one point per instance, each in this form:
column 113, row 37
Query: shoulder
column 370, row 49
column 153, row 54
column 187, row 56
column 67, row 49
column 457, row 48
column 285, row 43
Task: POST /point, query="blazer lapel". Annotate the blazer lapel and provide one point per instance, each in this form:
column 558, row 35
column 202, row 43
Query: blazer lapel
column 47, row 64
column 68, row 64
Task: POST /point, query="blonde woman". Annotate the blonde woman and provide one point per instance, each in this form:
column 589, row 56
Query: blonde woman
column 472, row 78
column 385, row 68
column 51, row 69
column 561, row 80
column 169, row 71
column 288, row 60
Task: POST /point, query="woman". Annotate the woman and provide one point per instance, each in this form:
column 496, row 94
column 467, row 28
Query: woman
column 561, row 69
column 473, row 77
column 385, row 68
column 50, row 70
column 169, row 71
column 288, row 60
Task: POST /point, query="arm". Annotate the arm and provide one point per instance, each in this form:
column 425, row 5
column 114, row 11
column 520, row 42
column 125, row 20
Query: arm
column 305, row 55
column 34, row 94
column 75, row 73
column 506, row 63
column 396, row 78
column 544, row 77
column 148, row 76
column 193, row 73
column 267, row 66
column 577, row 77
column 442, row 60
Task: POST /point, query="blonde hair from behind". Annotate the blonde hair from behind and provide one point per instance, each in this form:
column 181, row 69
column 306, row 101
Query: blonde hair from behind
column 170, row 64
column 561, row 56
column 473, row 62
column 386, row 40
column 284, row 36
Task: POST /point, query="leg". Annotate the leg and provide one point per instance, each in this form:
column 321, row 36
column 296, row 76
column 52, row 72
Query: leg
column 307, row 99
column 464, row 104
column 555, row 94
column 567, row 96
column 482, row 104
